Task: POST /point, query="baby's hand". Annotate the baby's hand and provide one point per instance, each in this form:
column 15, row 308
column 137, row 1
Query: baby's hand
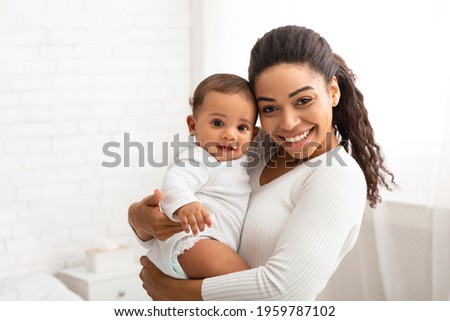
column 195, row 216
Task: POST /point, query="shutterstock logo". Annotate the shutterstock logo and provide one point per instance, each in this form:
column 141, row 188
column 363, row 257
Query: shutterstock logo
column 146, row 153
column 120, row 153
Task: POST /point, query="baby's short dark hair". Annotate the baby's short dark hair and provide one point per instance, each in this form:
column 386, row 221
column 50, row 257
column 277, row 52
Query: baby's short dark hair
column 222, row 83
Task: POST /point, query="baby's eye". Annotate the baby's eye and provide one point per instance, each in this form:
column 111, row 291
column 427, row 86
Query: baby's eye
column 269, row 109
column 217, row 123
column 243, row 128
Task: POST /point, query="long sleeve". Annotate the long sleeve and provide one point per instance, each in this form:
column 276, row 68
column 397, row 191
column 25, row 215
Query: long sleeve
column 185, row 176
column 313, row 228
column 183, row 179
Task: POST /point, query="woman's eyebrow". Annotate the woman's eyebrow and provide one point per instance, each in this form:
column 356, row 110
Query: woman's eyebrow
column 292, row 94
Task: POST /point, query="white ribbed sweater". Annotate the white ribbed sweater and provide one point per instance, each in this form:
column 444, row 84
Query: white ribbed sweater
column 297, row 230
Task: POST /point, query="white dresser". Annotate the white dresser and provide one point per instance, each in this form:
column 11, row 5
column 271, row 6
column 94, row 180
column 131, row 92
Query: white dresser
column 120, row 285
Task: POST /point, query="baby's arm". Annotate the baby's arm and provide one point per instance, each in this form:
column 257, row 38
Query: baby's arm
column 195, row 216
column 181, row 183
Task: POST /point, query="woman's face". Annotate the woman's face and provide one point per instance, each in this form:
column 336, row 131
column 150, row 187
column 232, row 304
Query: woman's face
column 295, row 105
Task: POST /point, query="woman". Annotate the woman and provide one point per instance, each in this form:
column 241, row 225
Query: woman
column 308, row 194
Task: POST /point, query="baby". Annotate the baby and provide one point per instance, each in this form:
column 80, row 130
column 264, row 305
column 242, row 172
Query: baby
column 207, row 188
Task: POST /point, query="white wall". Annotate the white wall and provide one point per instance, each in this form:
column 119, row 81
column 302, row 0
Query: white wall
column 398, row 49
column 73, row 76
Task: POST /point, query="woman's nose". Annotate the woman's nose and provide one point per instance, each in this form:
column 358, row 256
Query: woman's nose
column 290, row 120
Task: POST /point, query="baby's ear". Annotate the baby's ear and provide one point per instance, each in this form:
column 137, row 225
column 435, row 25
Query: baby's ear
column 255, row 131
column 190, row 120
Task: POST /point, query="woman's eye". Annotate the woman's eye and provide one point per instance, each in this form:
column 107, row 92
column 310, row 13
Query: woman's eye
column 217, row 123
column 268, row 109
column 303, row 101
column 243, row 128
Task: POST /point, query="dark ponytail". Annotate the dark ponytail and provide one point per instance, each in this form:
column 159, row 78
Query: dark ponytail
column 302, row 46
column 351, row 123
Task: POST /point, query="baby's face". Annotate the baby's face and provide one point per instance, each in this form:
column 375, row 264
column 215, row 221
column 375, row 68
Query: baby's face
column 224, row 125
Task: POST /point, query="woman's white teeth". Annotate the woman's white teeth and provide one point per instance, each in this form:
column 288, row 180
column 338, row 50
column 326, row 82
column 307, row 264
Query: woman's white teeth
column 297, row 138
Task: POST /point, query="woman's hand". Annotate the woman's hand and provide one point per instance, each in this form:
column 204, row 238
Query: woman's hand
column 162, row 287
column 148, row 221
column 150, row 276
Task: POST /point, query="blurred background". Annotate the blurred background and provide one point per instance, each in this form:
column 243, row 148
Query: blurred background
column 78, row 74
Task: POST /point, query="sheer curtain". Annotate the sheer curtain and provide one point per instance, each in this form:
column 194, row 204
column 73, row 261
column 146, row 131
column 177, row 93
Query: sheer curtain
column 441, row 220
column 441, row 210
column 403, row 251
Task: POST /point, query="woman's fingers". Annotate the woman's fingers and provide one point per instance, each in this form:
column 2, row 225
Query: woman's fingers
column 168, row 230
column 149, row 275
column 153, row 200
column 145, row 262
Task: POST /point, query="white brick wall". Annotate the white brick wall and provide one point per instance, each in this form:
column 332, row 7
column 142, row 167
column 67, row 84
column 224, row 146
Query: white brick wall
column 73, row 76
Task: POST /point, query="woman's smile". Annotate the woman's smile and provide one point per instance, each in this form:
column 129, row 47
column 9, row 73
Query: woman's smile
column 295, row 145
column 295, row 105
column 296, row 139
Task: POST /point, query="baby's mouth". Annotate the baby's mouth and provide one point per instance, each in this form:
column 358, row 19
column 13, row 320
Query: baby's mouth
column 228, row 148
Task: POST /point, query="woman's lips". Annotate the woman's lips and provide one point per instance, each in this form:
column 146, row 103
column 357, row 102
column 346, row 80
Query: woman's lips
column 298, row 138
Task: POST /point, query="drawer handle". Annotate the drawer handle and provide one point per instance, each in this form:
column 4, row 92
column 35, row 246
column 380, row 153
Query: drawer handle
column 121, row 294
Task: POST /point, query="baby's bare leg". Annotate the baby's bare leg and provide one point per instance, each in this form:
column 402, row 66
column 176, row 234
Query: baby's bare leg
column 210, row 258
